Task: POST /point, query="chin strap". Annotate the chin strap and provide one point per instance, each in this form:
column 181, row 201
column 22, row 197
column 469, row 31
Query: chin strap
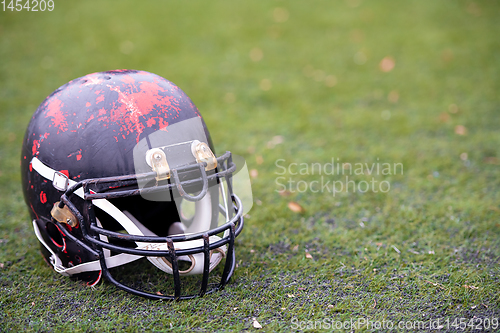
column 133, row 227
column 111, row 261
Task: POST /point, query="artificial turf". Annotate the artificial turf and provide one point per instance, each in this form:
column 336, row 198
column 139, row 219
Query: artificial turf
column 413, row 83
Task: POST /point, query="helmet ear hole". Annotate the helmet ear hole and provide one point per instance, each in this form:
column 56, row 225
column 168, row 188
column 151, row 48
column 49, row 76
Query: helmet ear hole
column 54, row 234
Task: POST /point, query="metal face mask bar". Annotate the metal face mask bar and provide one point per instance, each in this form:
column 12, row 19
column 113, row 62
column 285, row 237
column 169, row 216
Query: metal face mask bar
column 65, row 211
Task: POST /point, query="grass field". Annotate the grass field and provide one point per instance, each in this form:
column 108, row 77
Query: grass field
column 282, row 82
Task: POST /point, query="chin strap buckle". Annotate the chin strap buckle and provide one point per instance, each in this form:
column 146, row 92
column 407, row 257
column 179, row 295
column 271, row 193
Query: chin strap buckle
column 60, row 181
column 64, row 215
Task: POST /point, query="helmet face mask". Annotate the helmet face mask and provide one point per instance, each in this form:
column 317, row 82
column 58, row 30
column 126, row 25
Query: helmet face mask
column 119, row 166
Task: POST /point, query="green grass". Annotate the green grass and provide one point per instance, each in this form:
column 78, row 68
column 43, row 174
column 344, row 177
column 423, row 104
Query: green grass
column 405, row 255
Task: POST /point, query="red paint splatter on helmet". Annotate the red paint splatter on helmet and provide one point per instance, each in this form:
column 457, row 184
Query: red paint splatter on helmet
column 34, row 211
column 36, row 145
column 43, row 197
column 132, row 107
column 163, row 124
column 77, row 153
column 58, row 117
column 128, row 79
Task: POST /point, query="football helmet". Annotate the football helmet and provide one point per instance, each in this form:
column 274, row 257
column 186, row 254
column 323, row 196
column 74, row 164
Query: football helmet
column 119, row 166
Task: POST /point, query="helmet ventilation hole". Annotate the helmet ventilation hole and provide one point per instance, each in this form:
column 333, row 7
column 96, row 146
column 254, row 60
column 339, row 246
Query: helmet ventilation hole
column 54, row 234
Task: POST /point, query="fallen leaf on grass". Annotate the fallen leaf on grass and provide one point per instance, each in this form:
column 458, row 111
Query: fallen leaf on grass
column 387, row 64
column 435, row 284
column 278, row 139
column 444, row 117
column 308, row 255
column 256, row 54
column 295, row 248
column 460, row 130
column 470, row 287
column 295, row 207
column 256, row 323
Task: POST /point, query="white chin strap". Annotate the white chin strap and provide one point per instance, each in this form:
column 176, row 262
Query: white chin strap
column 201, row 222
